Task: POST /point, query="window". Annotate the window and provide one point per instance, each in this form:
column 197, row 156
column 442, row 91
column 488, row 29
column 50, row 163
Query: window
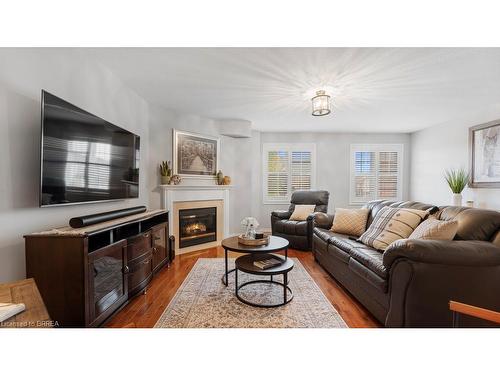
column 287, row 167
column 376, row 172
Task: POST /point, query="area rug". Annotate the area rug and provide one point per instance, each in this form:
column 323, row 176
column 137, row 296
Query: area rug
column 203, row 301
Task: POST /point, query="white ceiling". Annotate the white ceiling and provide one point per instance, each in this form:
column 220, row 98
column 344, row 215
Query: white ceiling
column 374, row 89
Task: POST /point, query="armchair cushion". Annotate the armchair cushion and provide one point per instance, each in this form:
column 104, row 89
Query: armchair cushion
column 458, row 253
column 297, row 228
column 281, row 214
column 302, row 211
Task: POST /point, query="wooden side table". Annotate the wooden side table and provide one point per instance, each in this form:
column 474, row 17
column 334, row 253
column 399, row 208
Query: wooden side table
column 35, row 315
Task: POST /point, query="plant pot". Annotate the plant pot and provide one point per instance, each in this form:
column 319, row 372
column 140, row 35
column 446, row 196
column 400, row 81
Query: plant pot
column 457, row 199
column 165, row 180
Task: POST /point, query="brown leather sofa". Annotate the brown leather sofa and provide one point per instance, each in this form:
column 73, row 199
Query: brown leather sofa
column 299, row 233
column 412, row 282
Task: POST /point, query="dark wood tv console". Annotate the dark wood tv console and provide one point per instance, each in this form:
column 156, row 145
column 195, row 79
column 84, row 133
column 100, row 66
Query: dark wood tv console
column 86, row 275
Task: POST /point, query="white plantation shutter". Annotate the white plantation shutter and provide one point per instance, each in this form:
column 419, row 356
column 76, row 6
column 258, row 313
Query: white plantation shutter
column 376, row 172
column 301, row 170
column 287, row 167
column 388, row 168
column 277, row 174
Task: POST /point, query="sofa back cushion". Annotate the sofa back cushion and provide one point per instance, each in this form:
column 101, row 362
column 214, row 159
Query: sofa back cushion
column 496, row 239
column 376, row 205
column 434, row 229
column 317, row 197
column 473, row 223
column 392, row 224
column 350, row 221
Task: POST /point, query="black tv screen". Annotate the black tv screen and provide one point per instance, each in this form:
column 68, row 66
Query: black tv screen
column 83, row 157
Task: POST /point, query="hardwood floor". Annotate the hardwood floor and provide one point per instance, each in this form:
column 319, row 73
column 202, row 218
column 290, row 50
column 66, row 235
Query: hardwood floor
column 144, row 310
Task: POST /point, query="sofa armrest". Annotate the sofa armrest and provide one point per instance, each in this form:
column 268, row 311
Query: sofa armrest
column 456, row 253
column 281, row 214
column 322, row 220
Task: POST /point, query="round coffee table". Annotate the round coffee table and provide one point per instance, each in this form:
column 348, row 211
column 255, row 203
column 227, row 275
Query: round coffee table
column 231, row 244
column 245, row 264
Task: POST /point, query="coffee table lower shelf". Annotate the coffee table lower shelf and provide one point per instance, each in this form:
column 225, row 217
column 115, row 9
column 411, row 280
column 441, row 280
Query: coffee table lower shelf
column 245, row 264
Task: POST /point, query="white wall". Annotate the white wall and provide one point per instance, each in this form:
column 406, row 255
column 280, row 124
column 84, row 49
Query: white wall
column 333, row 164
column 234, row 158
column 65, row 73
column 435, row 149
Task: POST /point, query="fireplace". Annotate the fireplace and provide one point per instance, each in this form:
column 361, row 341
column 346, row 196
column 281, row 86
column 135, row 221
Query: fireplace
column 197, row 226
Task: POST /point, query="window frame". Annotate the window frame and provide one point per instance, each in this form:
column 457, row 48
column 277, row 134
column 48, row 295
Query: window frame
column 377, row 148
column 289, row 148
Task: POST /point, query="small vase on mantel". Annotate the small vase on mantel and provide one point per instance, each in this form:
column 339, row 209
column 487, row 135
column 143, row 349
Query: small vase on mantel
column 457, row 199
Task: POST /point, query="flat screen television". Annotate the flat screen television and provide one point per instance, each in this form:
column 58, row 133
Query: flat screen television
column 83, row 157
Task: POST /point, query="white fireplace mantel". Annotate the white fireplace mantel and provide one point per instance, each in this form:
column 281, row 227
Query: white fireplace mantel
column 190, row 193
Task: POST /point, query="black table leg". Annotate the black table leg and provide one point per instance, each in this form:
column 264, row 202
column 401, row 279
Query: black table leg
column 285, row 283
column 225, row 262
column 236, row 281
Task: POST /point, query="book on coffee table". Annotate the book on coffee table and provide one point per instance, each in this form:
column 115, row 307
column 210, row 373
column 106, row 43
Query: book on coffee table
column 8, row 310
column 267, row 263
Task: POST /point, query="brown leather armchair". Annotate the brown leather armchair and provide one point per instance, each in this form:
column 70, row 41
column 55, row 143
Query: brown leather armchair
column 299, row 233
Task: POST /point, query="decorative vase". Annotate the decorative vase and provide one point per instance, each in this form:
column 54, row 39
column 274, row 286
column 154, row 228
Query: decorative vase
column 176, row 179
column 165, row 180
column 457, row 199
column 220, row 178
column 227, row 180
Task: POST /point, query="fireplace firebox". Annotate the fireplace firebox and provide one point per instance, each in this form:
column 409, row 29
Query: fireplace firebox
column 197, row 226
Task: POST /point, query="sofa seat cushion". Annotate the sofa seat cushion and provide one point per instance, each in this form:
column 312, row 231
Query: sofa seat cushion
column 343, row 242
column 296, row 228
column 370, row 258
column 367, row 256
column 324, row 234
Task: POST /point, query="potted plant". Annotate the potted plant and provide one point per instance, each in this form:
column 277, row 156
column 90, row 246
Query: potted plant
column 165, row 172
column 457, row 180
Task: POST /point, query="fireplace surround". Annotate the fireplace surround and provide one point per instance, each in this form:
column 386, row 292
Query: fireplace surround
column 175, row 198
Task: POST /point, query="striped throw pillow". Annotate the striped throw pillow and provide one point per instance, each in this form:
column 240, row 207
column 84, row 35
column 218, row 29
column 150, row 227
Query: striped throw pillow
column 392, row 224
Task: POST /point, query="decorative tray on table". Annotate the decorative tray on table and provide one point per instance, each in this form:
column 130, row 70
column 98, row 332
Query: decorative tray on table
column 253, row 242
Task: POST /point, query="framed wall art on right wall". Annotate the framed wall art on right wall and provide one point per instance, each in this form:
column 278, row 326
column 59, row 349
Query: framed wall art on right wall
column 484, row 155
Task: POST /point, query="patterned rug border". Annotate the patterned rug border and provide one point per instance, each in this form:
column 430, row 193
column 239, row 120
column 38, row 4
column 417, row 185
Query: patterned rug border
column 199, row 262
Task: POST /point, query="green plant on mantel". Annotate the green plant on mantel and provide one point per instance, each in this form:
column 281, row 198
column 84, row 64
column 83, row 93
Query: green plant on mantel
column 166, row 172
column 457, row 179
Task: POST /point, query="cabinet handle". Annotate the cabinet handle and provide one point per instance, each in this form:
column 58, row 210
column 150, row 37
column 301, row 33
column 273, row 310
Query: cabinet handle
column 146, row 235
column 146, row 261
column 155, row 250
column 157, row 238
column 126, row 269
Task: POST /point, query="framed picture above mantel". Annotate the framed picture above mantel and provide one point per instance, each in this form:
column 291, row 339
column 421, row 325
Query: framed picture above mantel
column 195, row 155
column 484, row 155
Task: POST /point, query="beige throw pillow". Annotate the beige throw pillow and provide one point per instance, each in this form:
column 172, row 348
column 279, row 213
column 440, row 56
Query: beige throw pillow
column 302, row 211
column 392, row 224
column 350, row 221
column 434, row 229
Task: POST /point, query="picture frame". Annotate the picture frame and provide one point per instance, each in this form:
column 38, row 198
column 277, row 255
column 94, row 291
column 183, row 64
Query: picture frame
column 195, row 155
column 484, row 155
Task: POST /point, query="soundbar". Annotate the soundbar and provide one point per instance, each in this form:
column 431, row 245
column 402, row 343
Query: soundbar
column 84, row 221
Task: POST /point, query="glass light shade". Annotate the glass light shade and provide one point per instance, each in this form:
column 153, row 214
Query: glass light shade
column 320, row 104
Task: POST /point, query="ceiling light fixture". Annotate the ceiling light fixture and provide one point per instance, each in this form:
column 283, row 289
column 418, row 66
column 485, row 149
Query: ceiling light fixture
column 321, row 104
